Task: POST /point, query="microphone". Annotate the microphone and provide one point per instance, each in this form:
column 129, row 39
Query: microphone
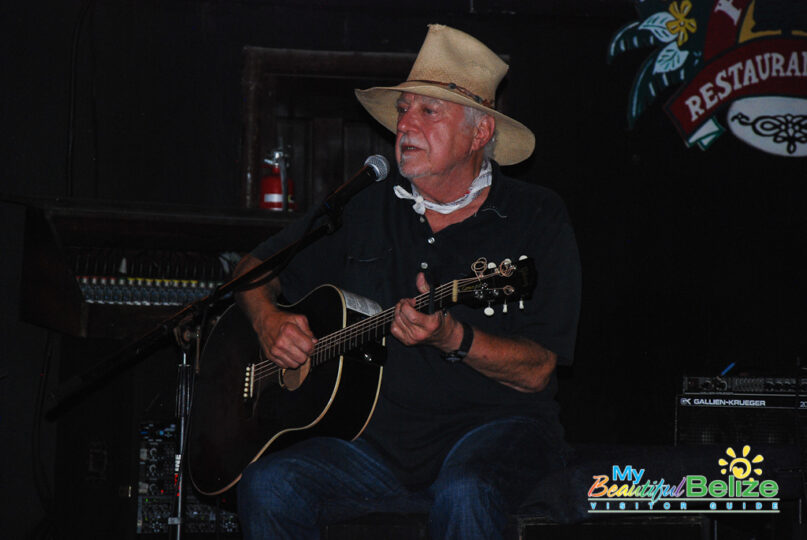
column 376, row 169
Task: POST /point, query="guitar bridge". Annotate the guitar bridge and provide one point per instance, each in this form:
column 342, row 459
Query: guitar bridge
column 249, row 382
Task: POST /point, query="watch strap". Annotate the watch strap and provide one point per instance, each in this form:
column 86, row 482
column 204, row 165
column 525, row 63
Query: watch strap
column 465, row 344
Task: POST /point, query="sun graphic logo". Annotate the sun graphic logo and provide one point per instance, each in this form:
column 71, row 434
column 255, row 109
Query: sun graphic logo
column 741, row 467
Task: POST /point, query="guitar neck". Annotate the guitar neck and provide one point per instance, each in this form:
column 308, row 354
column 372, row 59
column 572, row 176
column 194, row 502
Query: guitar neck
column 377, row 326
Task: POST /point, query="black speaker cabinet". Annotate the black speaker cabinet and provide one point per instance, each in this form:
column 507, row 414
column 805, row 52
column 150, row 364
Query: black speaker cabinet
column 736, row 419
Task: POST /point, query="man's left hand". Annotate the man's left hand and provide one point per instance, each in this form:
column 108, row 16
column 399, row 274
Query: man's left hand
column 412, row 327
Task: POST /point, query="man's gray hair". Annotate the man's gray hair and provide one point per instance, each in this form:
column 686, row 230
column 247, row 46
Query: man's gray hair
column 472, row 118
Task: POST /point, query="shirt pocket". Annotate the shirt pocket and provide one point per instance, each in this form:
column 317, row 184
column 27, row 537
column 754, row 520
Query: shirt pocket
column 366, row 271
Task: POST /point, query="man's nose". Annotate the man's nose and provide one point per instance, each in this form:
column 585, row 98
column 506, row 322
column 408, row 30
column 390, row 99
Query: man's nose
column 406, row 121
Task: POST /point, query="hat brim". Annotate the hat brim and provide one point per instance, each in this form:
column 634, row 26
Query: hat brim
column 514, row 141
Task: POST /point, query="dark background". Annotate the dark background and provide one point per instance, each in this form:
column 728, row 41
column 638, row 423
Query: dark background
column 692, row 259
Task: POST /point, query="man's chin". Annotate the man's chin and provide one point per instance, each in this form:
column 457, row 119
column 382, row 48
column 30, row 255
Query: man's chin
column 406, row 172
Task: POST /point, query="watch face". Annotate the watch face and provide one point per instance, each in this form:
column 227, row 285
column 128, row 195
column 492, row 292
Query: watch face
column 454, row 356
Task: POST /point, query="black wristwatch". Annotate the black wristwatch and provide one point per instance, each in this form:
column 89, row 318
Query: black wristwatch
column 465, row 345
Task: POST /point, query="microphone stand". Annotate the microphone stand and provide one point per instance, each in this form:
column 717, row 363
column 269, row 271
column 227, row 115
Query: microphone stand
column 182, row 413
column 187, row 327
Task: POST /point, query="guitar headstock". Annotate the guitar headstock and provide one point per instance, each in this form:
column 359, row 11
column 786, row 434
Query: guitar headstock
column 502, row 283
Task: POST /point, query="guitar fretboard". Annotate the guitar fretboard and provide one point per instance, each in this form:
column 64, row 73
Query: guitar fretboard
column 377, row 326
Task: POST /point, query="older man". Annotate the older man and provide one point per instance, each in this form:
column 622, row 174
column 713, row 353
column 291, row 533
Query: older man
column 466, row 423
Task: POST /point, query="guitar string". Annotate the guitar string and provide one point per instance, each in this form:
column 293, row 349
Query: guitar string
column 343, row 336
column 334, row 341
column 266, row 368
column 340, row 336
column 361, row 328
column 478, row 267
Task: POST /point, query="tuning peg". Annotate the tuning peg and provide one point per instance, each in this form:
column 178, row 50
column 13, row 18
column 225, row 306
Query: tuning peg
column 491, row 265
column 507, row 262
column 522, row 257
column 521, row 304
column 504, row 307
column 488, row 311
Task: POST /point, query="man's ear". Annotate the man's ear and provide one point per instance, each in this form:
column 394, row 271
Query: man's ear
column 483, row 132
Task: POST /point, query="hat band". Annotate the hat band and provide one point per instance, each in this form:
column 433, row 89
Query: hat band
column 452, row 86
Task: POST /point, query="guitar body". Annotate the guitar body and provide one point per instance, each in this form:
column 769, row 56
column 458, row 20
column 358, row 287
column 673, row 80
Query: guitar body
column 227, row 431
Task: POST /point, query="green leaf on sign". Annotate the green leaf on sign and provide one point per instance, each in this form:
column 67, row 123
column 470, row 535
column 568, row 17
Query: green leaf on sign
column 657, row 24
column 670, row 58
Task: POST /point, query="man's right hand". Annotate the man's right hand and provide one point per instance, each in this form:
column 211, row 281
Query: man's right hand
column 285, row 337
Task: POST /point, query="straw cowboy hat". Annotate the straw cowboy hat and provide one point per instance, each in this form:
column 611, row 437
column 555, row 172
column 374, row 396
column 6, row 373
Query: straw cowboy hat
column 455, row 67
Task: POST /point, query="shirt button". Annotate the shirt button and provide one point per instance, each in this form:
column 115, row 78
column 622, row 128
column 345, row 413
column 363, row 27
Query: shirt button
column 430, row 240
column 422, row 219
column 424, row 265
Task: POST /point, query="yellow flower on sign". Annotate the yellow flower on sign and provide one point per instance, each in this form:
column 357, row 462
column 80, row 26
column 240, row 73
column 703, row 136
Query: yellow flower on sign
column 681, row 25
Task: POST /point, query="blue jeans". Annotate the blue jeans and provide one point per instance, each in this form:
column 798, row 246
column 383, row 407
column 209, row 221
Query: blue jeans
column 292, row 493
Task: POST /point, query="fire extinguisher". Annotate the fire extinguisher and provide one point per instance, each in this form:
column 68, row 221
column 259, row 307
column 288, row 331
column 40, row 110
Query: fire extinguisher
column 277, row 189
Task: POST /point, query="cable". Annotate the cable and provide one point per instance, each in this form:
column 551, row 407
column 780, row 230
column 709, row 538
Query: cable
column 41, row 483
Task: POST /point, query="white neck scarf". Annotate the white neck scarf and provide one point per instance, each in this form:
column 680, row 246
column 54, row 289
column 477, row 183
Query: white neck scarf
column 420, row 205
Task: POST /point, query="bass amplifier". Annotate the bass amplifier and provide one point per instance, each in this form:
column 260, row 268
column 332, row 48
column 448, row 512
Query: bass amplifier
column 745, row 385
column 741, row 410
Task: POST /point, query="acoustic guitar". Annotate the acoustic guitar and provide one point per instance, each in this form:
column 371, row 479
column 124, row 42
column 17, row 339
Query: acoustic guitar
column 245, row 406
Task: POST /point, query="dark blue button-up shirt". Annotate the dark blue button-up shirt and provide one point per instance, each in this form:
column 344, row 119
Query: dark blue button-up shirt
column 426, row 403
